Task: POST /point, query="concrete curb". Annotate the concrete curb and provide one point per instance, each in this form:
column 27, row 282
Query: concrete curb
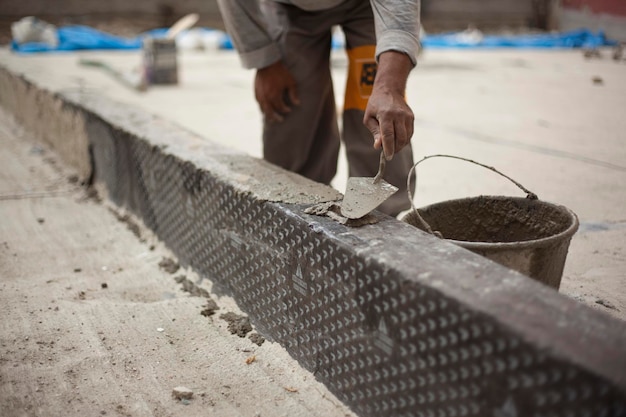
column 393, row 321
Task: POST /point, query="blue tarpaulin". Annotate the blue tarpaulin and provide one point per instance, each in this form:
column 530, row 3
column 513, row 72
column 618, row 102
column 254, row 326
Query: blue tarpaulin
column 77, row 37
column 72, row 38
column 582, row 38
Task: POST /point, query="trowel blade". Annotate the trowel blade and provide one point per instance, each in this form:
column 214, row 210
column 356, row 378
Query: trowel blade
column 363, row 195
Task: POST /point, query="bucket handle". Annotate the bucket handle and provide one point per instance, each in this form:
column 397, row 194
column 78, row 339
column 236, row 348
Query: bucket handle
column 529, row 194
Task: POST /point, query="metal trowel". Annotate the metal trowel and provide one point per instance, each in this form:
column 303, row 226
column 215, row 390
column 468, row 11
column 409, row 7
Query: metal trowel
column 364, row 194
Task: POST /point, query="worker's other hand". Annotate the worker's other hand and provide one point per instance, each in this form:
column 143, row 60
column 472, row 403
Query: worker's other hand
column 387, row 115
column 275, row 91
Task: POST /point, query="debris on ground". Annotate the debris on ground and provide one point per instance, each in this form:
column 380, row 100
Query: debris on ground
column 210, row 308
column 606, row 304
column 239, row 325
column 92, row 194
column 256, row 339
column 128, row 221
column 169, row 265
column 250, row 359
column 182, row 393
column 592, row 53
column 192, row 288
column 196, row 291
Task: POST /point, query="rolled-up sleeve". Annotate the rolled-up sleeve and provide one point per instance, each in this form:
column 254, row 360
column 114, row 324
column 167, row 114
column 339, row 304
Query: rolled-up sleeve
column 397, row 26
column 246, row 26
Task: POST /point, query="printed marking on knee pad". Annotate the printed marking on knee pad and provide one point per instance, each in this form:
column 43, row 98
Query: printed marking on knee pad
column 361, row 75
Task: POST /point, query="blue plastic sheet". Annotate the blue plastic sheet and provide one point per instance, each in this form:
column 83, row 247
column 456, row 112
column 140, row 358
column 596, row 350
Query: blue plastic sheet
column 582, row 38
column 77, row 37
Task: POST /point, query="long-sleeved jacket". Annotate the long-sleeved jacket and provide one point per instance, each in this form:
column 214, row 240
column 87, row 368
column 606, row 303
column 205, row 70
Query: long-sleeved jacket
column 396, row 21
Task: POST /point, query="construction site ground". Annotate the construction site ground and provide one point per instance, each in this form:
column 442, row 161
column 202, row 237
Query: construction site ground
column 99, row 321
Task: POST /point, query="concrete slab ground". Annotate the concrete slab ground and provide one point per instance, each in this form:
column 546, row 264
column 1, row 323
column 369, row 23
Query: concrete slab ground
column 98, row 320
column 552, row 120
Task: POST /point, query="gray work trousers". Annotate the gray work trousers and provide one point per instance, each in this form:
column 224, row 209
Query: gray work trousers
column 307, row 141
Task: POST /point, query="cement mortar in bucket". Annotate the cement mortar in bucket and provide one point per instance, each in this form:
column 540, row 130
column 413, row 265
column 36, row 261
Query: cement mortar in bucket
column 524, row 234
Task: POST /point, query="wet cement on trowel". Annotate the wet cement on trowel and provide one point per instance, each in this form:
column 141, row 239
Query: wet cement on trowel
column 332, row 209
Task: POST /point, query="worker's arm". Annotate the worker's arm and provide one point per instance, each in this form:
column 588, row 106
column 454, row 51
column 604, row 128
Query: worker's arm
column 247, row 28
column 388, row 116
column 274, row 86
column 397, row 26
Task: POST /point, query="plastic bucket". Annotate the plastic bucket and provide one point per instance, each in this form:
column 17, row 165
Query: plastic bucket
column 524, row 234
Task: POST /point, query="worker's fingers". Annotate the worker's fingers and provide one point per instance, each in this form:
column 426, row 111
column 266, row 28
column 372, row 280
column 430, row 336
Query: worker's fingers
column 387, row 137
column 278, row 105
column 272, row 102
column 293, row 95
column 372, row 125
column 401, row 136
column 384, row 135
column 410, row 129
column 275, row 90
column 273, row 108
column 269, row 113
column 272, row 116
column 407, row 126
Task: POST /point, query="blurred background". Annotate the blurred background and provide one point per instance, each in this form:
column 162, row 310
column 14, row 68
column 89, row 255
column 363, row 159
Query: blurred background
column 129, row 18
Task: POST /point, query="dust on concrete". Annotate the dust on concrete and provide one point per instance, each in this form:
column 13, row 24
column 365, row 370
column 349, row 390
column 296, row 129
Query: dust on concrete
column 73, row 346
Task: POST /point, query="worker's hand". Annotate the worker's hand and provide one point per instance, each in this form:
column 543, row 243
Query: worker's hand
column 275, row 91
column 387, row 115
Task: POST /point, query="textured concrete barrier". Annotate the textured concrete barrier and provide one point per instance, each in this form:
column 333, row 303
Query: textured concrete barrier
column 393, row 321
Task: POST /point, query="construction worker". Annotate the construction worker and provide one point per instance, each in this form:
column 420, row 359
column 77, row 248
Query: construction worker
column 288, row 42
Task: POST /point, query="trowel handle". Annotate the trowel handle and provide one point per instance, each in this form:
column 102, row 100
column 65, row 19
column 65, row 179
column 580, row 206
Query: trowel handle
column 381, row 167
